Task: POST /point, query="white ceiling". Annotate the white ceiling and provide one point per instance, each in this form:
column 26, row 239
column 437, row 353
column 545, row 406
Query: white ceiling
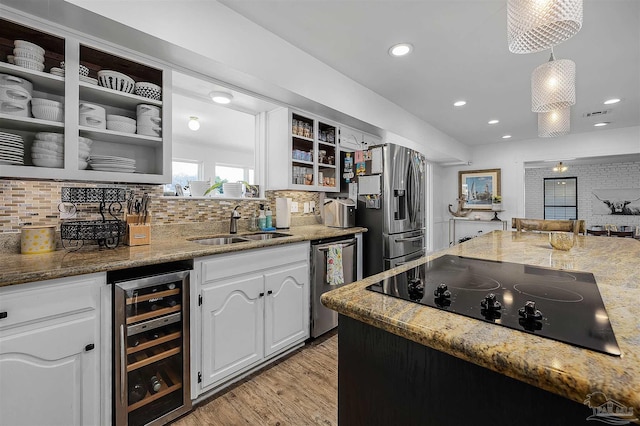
column 460, row 52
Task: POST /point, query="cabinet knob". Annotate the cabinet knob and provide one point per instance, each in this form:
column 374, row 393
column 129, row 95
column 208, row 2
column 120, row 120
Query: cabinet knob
column 270, row 292
column 261, row 294
column 3, row 314
column 89, row 347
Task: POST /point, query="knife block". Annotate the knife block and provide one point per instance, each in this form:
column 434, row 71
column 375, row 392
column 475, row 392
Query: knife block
column 138, row 234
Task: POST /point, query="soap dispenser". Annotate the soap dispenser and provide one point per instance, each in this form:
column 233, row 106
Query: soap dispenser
column 268, row 213
column 262, row 219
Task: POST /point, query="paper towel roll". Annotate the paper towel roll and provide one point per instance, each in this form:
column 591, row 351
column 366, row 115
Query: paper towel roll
column 283, row 212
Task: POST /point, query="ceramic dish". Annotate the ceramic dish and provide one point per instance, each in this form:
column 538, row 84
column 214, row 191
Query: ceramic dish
column 148, row 90
column 50, row 136
column 8, row 80
column 58, row 164
column 29, row 63
column 116, row 81
column 21, row 52
column 28, row 45
column 47, row 112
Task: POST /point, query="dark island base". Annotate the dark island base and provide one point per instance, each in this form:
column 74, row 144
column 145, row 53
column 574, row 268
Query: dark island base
column 384, row 379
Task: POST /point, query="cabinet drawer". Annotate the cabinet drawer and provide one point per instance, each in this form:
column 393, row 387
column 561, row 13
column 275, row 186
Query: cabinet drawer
column 25, row 303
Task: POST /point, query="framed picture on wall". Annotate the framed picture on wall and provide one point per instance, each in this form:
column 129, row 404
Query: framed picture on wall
column 478, row 187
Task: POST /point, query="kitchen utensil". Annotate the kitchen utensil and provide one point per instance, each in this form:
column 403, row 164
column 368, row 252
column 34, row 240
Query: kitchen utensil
column 28, row 45
column 116, row 81
column 29, row 63
column 8, row 80
column 144, row 109
column 148, row 90
column 38, row 239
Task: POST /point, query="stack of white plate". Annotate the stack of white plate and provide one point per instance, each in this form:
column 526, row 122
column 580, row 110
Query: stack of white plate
column 149, row 122
column 28, row 55
column 109, row 163
column 15, row 94
column 11, row 149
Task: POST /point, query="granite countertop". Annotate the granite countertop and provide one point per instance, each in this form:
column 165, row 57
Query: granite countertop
column 20, row 268
column 553, row 366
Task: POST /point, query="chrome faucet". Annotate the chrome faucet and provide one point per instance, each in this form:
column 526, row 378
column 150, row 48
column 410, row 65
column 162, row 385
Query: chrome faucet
column 235, row 215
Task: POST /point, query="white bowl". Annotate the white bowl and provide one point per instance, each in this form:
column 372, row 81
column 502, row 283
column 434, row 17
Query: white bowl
column 46, row 102
column 50, row 156
column 48, row 112
column 15, row 108
column 84, row 142
column 144, row 109
column 149, row 121
column 82, row 70
column 48, row 163
column 148, row 90
column 199, row 187
column 92, row 109
column 89, row 120
column 28, row 45
column 29, row 63
column 116, row 81
column 14, row 94
column 47, row 145
column 121, row 126
column 149, row 131
column 8, row 80
column 82, row 164
column 10, row 59
column 122, row 118
column 49, row 136
column 21, row 52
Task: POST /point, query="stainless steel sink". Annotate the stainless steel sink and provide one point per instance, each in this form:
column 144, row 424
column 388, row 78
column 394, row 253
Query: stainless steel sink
column 217, row 241
column 264, row 236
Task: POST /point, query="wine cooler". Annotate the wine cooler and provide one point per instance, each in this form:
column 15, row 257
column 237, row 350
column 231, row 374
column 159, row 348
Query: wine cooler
column 151, row 344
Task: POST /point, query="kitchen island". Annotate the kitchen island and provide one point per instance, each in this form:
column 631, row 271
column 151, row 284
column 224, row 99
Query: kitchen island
column 405, row 363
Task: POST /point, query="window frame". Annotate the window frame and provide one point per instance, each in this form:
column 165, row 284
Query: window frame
column 544, row 196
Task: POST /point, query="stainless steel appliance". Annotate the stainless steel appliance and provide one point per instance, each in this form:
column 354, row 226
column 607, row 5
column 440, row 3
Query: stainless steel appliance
column 557, row 304
column 393, row 210
column 339, row 213
column 151, row 343
column 324, row 319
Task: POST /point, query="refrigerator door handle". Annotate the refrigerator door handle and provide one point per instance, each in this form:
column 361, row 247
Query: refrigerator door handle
column 123, row 367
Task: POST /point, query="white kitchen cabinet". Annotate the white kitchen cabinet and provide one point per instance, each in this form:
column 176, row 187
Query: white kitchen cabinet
column 51, row 355
column 151, row 153
column 253, row 307
column 302, row 152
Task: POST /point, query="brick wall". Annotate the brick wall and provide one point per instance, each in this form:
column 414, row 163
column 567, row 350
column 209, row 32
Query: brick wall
column 590, row 177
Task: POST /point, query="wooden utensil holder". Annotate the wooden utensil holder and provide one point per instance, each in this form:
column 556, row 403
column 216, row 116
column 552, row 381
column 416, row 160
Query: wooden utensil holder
column 138, row 233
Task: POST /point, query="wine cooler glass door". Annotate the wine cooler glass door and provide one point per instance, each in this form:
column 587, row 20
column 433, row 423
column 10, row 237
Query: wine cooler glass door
column 151, row 316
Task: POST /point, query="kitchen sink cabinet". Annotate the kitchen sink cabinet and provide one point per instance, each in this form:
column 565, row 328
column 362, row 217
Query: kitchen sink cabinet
column 253, row 307
column 302, row 153
column 152, row 153
column 51, row 353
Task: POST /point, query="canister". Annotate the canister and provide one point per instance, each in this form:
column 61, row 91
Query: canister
column 38, row 239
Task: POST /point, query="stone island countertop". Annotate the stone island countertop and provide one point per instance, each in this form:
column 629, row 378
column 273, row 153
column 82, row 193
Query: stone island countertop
column 22, row 268
column 556, row 367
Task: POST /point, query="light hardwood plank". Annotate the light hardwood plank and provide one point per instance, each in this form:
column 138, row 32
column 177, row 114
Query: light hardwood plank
column 300, row 389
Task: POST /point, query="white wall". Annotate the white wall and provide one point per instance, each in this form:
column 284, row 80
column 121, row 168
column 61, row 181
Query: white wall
column 510, row 158
column 589, row 177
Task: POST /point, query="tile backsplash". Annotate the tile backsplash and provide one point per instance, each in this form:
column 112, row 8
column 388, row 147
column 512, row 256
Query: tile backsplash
column 35, row 202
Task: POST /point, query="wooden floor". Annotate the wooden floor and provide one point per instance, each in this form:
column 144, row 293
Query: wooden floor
column 301, row 389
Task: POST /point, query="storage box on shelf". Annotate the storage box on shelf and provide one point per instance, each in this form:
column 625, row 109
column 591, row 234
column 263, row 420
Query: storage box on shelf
column 71, row 79
column 305, row 146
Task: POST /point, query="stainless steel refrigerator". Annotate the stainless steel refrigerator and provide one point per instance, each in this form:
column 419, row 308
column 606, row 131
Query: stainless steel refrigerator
column 391, row 204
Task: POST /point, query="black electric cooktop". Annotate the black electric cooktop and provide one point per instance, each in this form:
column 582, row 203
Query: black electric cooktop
column 556, row 304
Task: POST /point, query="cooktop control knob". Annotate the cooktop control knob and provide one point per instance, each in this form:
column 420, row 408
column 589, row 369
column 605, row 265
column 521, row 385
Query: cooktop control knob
column 442, row 291
column 491, row 303
column 529, row 312
column 416, row 289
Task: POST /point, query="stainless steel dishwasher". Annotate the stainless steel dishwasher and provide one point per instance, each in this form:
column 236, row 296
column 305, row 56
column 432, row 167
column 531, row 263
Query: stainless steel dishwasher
column 324, row 319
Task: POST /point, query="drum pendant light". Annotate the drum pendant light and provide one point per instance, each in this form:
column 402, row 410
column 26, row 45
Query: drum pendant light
column 554, row 123
column 536, row 25
column 553, row 85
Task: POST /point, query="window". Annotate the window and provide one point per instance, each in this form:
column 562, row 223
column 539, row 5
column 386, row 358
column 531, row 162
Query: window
column 561, row 198
column 233, row 174
column 182, row 171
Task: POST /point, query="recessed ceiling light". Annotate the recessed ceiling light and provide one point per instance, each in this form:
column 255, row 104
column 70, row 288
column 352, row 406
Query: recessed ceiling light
column 400, row 49
column 493, row 121
column 602, row 123
column 221, row 97
column 459, row 103
column 194, row 124
column 506, row 136
column 611, row 101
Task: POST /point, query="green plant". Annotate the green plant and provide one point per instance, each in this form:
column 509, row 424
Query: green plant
column 497, row 199
column 213, row 188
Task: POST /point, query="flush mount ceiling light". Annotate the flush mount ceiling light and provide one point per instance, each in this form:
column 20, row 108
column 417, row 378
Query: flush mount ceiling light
column 554, row 123
column 601, row 124
column 560, row 167
column 221, row 97
column 400, row 49
column 611, row 101
column 460, row 103
column 553, row 85
column 194, row 124
column 536, row 25
column 506, row 137
column 493, row 121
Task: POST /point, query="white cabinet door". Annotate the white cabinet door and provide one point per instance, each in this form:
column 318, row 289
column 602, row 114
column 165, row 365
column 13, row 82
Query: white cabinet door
column 49, row 375
column 287, row 307
column 232, row 326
